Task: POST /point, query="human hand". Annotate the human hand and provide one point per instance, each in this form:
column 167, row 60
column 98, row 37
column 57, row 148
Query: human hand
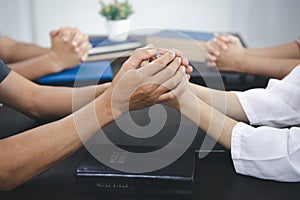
column 136, row 86
column 69, row 47
column 143, row 57
column 181, row 87
column 184, row 60
column 183, row 96
column 226, row 52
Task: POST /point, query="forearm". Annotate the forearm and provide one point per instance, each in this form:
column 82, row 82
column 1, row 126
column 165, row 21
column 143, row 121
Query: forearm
column 26, row 51
column 13, row 51
column 214, row 123
column 36, row 67
column 62, row 101
column 29, row 153
column 45, row 101
column 267, row 66
column 289, row 50
column 225, row 102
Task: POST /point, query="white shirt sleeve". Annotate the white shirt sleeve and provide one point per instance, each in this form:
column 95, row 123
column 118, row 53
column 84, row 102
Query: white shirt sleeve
column 266, row 152
column 277, row 105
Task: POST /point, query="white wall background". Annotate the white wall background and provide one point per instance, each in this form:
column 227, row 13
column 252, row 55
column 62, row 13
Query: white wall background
column 16, row 19
column 260, row 22
column 195, row 15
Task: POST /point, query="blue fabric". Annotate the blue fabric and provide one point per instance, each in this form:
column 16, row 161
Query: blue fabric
column 87, row 71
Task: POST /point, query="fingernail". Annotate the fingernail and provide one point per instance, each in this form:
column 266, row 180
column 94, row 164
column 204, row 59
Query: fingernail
column 65, row 38
column 148, row 46
column 179, row 59
column 74, row 43
column 83, row 58
column 183, row 69
column 173, row 54
column 151, row 51
column 77, row 49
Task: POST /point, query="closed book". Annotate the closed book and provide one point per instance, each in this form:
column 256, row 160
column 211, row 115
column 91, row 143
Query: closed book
column 176, row 179
column 191, row 43
column 104, row 49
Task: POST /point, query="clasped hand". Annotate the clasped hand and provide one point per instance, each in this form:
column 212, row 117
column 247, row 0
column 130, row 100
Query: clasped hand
column 146, row 79
column 69, row 47
column 225, row 52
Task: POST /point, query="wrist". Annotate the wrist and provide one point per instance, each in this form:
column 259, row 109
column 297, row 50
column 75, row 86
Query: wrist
column 56, row 66
column 242, row 62
column 107, row 111
column 101, row 88
column 186, row 102
column 103, row 110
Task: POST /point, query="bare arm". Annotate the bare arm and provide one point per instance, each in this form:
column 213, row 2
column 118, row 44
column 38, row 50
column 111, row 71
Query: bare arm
column 288, row 50
column 215, row 123
column 29, row 153
column 45, row 101
column 268, row 66
column 69, row 48
column 223, row 101
column 13, row 51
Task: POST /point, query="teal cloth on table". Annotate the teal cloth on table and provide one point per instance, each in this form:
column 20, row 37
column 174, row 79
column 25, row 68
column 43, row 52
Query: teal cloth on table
column 87, row 71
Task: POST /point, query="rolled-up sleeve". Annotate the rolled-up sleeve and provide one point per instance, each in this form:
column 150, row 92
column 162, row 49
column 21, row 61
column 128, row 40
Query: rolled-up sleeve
column 277, row 105
column 266, row 152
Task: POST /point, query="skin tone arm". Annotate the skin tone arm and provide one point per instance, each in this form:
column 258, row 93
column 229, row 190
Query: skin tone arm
column 223, row 101
column 50, row 143
column 205, row 116
column 227, row 53
column 14, row 51
column 31, row 97
column 69, row 48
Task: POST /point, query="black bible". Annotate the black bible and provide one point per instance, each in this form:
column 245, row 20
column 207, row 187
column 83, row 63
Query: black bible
column 175, row 180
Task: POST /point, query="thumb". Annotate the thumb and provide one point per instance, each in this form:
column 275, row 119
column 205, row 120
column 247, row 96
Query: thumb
column 138, row 56
column 54, row 33
column 233, row 39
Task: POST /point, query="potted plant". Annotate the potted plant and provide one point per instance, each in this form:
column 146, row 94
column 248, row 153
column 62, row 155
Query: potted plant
column 116, row 14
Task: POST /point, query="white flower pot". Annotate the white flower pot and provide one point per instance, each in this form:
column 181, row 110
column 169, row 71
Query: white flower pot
column 118, row 29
